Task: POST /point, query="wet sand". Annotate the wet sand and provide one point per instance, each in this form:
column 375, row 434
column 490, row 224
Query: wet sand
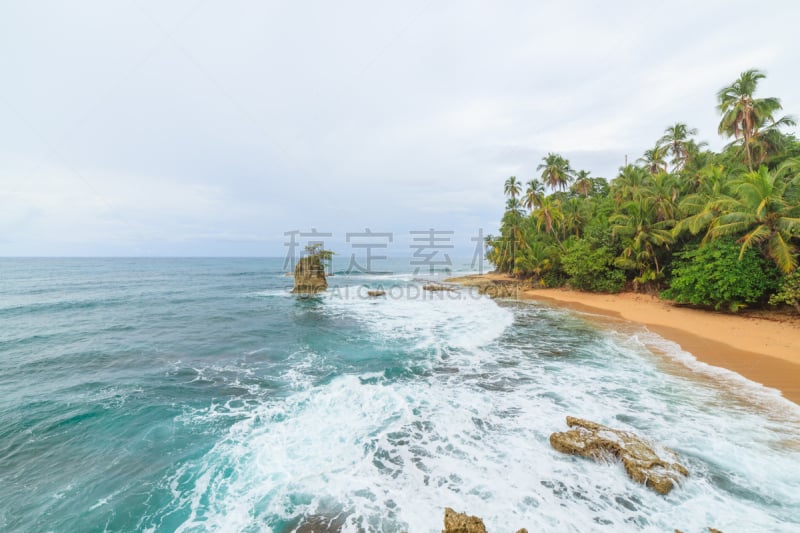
column 764, row 350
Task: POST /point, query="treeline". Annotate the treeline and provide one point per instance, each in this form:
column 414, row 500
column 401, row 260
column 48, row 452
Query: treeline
column 697, row 226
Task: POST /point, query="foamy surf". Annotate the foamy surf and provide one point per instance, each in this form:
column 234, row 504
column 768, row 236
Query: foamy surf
column 216, row 401
column 388, row 453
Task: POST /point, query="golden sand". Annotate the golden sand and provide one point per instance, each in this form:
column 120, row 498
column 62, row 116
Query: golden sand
column 762, row 349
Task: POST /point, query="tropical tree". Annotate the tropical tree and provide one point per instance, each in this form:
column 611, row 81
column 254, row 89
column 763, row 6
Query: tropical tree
column 533, row 194
column 770, row 141
column 766, row 214
column 556, row 171
column 663, row 189
column 583, row 183
column 676, row 140
column 548, row 215
column 512, row 188
column 655, row 159
column 644, row 237
column 537, row 258
column 742, row 114
column 575, row 216
column 712, row 196
column 630, row 182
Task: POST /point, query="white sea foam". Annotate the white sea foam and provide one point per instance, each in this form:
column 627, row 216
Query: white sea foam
column 473, row 434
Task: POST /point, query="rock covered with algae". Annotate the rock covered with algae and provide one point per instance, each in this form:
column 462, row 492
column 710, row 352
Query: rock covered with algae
column 641, row 462
column 463, row 523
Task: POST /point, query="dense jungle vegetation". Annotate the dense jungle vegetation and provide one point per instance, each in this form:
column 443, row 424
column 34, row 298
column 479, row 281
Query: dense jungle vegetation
column 699, row 227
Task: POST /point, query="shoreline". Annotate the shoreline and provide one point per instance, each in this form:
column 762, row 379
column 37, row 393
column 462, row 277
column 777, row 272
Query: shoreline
column 761, row 350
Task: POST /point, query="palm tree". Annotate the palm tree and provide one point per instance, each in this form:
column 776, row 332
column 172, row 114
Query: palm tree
column 514, row 205
column 556, row 171
column 663, row 189
column 583, row 183
column 512, row 187
column 713, row 195
column 743, row 114
column 655, row 159
column 630, row 183
column 537, row 259
column 533, row 194
column 643, row 237
column 575, row 216
column 766, row 213
column 548, row 215
column 676, row 140
column 770, row 141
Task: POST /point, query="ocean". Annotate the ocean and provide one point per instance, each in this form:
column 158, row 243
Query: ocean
column 200, row 395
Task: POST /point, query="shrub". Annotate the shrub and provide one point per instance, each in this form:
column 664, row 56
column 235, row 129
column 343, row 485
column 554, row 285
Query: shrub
column 789, row 291
column 592, row 270
column 713, row 276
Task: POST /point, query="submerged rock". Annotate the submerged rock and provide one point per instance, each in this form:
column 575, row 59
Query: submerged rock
column 332, row 523
column 309, row 275
column 599, row 442
column 433, row 288
column 462, row 523
column 495, row 287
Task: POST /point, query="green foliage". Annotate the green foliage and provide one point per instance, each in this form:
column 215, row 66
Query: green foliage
column 714, row 276
column 592, row 270
column 569, row 226
column 553, row 279
column 789, row 291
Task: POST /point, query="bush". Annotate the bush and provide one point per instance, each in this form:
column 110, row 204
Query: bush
column 713, row 276
column 553, row 279
column 789, row 292
column 592, row 270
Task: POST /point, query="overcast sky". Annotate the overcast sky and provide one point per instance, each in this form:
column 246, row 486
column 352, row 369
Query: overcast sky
column 211, row 128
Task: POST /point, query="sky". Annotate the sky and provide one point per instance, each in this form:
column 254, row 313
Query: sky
column 200, row 128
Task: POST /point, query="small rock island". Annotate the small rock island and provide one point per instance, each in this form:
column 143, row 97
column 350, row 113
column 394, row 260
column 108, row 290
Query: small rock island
column 309, row 274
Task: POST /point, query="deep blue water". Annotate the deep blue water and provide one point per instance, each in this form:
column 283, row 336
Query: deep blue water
column 199, row 395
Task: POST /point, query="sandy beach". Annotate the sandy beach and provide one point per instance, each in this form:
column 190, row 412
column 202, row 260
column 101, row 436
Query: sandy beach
column 764, row 350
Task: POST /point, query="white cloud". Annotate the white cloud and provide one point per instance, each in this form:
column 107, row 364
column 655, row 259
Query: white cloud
column 213, row 128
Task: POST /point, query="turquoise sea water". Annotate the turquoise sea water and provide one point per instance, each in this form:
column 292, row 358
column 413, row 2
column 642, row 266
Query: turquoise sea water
column 198, row 395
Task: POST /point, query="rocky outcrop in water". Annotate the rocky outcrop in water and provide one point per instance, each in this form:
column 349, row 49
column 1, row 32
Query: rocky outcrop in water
column 375, row 294
column 437, row 288
column 309, row 275
column 602, row 443
column 462, row 523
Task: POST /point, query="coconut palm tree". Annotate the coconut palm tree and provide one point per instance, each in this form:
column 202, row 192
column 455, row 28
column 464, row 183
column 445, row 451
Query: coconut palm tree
column 512, row 188
column 583, row 183
column 766, row 214
column 548, row 215
column 575, row 215
column 743, row 114
column 655, row 159
column 537, row 259
column 663, row 189
column 676, row 140
column 556, row 171
column 630, row 182
column 770, row 141
column 533, row 194
column 643, row 238
column 712, row 196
